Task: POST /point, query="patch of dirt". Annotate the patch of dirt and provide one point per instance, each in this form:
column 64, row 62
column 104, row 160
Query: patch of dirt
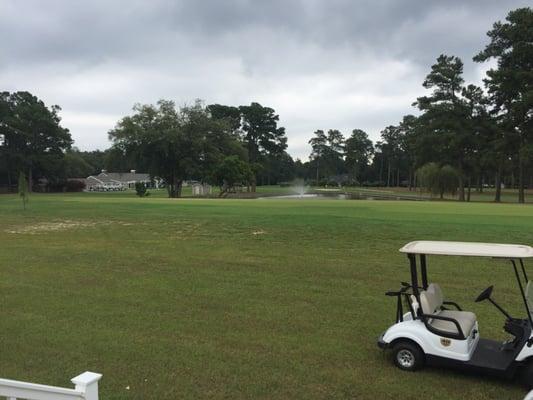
column 56, row 226
column 186, row 229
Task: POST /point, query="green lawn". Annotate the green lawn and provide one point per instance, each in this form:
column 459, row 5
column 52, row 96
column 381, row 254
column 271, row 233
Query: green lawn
column 240, row 299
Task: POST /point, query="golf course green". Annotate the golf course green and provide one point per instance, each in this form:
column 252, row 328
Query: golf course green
column 240, row 299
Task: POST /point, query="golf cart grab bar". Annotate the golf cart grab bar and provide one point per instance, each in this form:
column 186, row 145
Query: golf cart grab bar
column 460, row 335
column 399, row 306
column 398, row 292
column 452, row 303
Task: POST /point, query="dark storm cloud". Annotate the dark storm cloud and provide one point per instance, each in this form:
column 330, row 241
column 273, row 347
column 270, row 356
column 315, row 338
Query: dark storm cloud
column 320, row 64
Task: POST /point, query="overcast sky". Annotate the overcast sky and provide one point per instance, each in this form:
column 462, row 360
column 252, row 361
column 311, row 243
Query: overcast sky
column 320, row 64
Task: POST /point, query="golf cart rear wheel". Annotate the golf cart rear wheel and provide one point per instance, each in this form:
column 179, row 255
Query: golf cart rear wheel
column 408, row 356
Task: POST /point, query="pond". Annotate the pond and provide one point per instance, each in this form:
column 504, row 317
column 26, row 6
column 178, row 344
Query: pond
column 336, row 195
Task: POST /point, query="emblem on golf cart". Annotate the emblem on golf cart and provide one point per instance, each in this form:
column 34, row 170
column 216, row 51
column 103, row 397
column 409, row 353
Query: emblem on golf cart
column 445, row 342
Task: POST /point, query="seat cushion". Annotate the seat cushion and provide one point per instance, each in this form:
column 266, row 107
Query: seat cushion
column 466, row 320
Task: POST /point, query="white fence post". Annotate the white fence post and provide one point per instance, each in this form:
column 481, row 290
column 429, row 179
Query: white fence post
column 86, row 389
column 87, row 383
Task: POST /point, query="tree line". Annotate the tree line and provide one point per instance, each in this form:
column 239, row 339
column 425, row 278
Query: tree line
column 461, row 137
column 218, row 144
column 222, row 145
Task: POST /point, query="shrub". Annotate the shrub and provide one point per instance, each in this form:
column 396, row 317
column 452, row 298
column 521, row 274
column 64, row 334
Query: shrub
column 449, row 180
column 374, row 183
column 230, row 173
column 331, row 183
column 438, row 180
column 141, row 189
column 74, row 185
column 56, row 186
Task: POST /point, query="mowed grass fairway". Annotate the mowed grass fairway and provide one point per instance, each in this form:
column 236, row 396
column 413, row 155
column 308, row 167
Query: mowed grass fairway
column 240, row 299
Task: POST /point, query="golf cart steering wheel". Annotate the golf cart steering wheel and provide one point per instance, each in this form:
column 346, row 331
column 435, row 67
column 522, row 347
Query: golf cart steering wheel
column 485, row 294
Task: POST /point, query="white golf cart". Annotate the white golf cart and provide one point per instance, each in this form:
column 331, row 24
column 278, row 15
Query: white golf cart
column 432, row 333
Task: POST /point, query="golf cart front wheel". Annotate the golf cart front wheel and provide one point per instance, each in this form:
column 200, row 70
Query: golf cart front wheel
column 408, row 356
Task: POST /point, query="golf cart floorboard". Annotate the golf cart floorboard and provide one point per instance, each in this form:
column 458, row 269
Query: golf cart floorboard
column 489, row 355
column 488, row 358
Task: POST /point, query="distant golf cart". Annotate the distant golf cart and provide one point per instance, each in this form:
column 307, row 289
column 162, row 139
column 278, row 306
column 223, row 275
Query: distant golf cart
column 432, row 333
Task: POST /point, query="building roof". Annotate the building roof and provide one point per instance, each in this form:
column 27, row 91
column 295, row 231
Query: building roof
column 93, row 179
column 468, row 249
column 127, row 176
column 116, row 178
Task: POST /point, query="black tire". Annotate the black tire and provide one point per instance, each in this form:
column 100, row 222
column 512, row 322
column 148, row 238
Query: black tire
column 408, row 356
column 527, row 374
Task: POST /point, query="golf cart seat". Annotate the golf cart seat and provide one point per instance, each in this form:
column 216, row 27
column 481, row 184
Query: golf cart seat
column 466, row 320
column 432, row 302
column 436, row 291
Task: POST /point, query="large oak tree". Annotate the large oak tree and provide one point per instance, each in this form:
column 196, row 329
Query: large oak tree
column 358, row 150
column 175, row 144
column 34, row 141
column 261, row 134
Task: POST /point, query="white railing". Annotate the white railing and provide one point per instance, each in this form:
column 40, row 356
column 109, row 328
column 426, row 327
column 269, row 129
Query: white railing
column 86, row 388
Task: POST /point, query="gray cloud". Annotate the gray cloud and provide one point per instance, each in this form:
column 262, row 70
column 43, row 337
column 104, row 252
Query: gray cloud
column 321, row 64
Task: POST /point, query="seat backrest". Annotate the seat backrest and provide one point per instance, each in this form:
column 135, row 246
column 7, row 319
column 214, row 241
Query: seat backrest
column 437, row 292
column 431, row 299
column 429, row 302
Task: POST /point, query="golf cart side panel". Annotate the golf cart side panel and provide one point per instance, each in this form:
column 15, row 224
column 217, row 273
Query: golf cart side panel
column 430, row 343
column 527, row 352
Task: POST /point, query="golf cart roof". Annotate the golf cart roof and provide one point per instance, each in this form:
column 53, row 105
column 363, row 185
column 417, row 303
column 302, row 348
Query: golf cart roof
column 510, row 251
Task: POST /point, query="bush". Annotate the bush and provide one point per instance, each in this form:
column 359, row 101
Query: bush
column 449, row 180
column 332, row 184
column 141, row 189
column 70, row 185
column 230, row 173
column 428, row 176
column 351, row 182
column 374, row 184
column 56, row 186
column 438, row 180
column 74, row 185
